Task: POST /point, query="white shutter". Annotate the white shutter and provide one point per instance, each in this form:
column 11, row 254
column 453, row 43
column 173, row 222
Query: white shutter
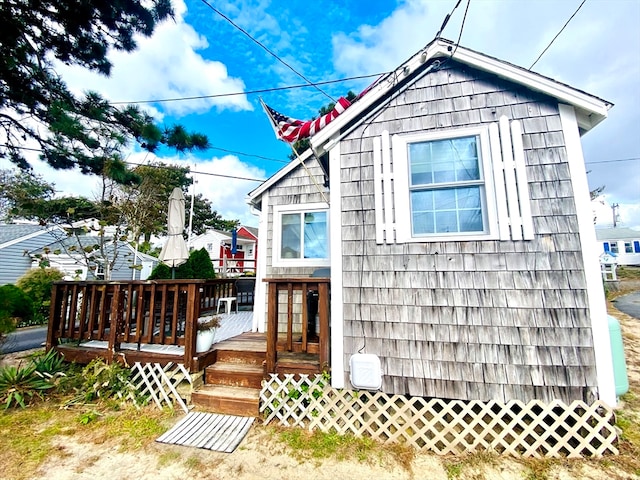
column 383, row 189
column 510, row 177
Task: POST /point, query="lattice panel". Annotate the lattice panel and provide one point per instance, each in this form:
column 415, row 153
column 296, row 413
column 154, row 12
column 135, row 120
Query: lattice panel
column 161, row 382
column 535, row 429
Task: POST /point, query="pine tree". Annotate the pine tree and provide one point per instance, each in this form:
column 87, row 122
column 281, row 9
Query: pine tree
column 35, row 104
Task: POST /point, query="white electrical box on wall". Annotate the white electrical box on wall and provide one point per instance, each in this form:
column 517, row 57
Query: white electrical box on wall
column 365, row 371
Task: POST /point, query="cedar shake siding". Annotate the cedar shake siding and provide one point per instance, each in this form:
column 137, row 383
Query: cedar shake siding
column 297, row 188
column 476, row 319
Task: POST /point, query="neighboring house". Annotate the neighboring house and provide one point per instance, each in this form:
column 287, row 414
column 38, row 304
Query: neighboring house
column 219, row 246
column 64, row 255
column 458, row 231
column 624, row 243
column 15, row 241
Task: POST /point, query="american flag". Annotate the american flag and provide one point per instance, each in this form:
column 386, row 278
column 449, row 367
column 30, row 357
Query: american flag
column 291, row 130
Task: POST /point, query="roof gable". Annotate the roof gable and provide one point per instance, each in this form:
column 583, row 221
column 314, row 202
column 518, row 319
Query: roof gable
column 12, row 234
column 590, row 109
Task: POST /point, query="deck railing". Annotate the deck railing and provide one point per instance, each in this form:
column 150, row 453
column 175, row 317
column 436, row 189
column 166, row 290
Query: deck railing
column 160, row 312
column 289, row 303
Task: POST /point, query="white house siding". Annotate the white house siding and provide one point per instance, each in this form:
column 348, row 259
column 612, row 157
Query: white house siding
column 474, row 319
column 13, row 261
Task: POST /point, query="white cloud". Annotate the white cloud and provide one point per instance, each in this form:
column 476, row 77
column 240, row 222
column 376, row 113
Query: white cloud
column 227, row 195
column 216, row 179
column 598, row 52
column 165, row 65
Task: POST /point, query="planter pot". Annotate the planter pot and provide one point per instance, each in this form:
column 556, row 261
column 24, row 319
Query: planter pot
column 204, row 340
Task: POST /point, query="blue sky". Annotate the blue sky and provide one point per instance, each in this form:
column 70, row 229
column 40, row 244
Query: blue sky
column 200, row 53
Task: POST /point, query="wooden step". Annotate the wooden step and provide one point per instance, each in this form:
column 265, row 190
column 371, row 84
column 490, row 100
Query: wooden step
column 228, row 400
column 234, row 375
column 228, row 355
column 291, row 366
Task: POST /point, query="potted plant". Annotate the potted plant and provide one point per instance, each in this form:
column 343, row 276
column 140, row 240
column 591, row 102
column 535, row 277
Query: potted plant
column 206, row 331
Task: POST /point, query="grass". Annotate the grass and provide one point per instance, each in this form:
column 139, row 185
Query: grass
column 30, row 442
column 317, row 445
column 35, row 429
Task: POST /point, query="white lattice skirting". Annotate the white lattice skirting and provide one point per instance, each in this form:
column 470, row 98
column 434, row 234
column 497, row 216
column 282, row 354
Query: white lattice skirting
column 161, row 382
column 535, row 429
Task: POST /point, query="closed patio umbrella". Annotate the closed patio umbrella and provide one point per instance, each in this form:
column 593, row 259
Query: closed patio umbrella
column 174, row 252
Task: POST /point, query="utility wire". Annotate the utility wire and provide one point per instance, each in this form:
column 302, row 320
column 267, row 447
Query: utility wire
column 464, row 19
column 446, row 20
column 235, row 152
column 263, row 46
column 633, row 159
column 558, row 34
column 250, row 92
column 167, row 167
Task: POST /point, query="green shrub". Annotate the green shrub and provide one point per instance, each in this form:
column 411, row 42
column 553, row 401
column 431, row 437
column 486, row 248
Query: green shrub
column 37, row 284
column 19, row 385
column 201, row 264
column 15, row 303
column 160, row 272
column 198, row 266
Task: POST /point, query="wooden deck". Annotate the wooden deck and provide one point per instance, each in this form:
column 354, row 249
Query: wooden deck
column 155, row 322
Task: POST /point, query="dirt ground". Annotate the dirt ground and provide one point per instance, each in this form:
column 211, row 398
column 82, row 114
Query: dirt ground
column 261, row 456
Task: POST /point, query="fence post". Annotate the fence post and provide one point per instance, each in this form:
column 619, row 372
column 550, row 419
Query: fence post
column 53, row 325
column 323, row 314
column 272, row 327
column 190, row 331
column 115, row 321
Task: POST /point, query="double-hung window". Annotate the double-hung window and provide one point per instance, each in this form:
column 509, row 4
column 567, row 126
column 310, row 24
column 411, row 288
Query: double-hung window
column 442, row 185
column 301, row 235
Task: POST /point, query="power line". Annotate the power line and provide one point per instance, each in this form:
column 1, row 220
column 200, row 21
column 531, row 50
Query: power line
column 235, row 152
column 250, row 92
column 249, row 155
column 446, row 20
column 169, row 167
column 268, row 50
column 558, row 34
column 464, row 18
column 633, row 159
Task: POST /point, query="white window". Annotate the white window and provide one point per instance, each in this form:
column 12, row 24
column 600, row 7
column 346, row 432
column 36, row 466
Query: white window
column 442, row 181
column 301, row 235
column 614, row 247
column 628, row 248
column 100, row 271
column 455, row 184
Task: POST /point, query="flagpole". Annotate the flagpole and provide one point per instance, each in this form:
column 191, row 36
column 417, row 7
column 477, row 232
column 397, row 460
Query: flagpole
column 279, row 133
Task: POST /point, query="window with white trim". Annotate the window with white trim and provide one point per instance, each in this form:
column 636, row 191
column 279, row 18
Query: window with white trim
column 100, row 271
column 441, row 185
column 446, row 186
column 301, row 235
column 456, row 184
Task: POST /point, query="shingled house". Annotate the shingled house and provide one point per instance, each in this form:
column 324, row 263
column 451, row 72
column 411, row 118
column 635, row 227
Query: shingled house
column 457, row 228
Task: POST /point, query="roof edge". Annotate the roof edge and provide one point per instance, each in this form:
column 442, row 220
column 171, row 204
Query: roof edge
column 588, row 105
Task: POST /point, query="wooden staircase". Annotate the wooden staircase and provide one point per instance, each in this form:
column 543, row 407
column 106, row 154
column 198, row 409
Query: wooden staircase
column 232, row 383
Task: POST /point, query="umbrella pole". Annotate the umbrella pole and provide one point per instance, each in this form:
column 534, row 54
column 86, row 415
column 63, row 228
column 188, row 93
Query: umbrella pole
column 173, row 273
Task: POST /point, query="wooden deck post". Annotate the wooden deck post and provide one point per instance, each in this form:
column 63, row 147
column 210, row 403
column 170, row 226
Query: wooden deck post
column 323, row 314
column 190, row 330
column 115, row 320
column 272, row 327
column 54, row 317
